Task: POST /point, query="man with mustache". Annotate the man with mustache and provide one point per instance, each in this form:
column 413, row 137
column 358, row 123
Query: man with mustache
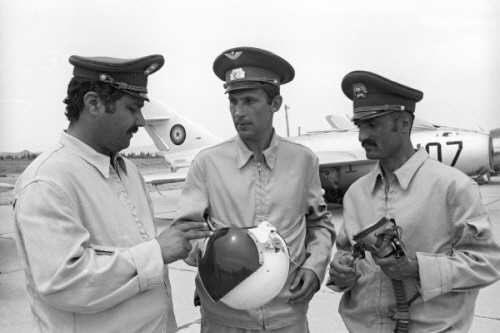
column 446, row 230
column 258, row 176
column 83, row 218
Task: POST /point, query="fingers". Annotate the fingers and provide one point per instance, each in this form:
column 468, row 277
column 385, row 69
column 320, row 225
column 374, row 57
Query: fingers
column 193, row 230
column 197, row 234
column 344, row 276
column 341, row 274
column 296, row 281
column 175, row 240
column 306, row 297
column 188, row 246
column 390, row 265
column 308, row 283
column 187, row 226
column 300, row 296
column 381, row 261
column 341, row 265
column 389, row 261
column 344, row 281
column 398, row 268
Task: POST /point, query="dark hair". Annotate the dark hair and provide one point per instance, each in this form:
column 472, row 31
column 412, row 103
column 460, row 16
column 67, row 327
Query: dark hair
column 78, row 87
column 271, row 92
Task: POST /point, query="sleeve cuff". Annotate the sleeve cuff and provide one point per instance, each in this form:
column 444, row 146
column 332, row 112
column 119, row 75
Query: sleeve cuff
column 149, row 263
column 435, row 275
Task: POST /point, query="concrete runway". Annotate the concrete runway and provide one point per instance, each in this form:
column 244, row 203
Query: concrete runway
column 15, row 315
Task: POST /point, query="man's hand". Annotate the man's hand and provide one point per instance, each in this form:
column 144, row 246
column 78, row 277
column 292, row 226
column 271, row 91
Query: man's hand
column 174, row 241
column 304, row 286
column 341, row 274
column 398, row 268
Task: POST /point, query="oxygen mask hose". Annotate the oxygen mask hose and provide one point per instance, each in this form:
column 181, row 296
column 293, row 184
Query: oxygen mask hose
column 402, row 314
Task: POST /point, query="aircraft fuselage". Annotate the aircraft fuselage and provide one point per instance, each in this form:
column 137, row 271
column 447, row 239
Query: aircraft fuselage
column 469, row 151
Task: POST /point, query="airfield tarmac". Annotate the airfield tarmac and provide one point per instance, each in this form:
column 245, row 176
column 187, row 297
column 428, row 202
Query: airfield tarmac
column 15, row 314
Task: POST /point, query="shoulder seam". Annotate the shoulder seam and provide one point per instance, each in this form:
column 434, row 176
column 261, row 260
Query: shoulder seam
column 51, row 184
column 285, row 140
column 216, row 145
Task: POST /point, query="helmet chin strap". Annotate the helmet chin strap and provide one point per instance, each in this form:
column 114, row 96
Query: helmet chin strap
column 266, row 238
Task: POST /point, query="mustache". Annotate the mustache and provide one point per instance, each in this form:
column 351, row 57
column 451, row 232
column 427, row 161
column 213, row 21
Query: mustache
column 368, row 142
column 133, row 129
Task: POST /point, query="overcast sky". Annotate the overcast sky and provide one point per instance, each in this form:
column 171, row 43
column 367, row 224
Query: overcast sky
column 448, row 49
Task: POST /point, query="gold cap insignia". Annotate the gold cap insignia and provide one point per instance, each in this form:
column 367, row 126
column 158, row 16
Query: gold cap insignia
column 359, row 90
column 233, row 55
column 150, row 68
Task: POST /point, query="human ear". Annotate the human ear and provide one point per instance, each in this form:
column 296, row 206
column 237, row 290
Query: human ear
column 91, row 102
column 405, row 123
column 276, row 103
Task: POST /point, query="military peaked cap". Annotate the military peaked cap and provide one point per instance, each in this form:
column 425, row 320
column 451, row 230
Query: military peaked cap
column 251, row 68
column 374, row 95
column 127, row 75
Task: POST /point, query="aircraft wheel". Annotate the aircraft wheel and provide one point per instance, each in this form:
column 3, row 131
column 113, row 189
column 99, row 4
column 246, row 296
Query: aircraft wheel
column 331, row 195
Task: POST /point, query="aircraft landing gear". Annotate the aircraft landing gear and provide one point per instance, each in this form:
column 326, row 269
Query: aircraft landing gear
column 482, row 179
column 334, row 195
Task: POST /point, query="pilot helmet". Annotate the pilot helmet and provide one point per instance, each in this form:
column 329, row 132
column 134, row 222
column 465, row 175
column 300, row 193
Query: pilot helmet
column 244, row 267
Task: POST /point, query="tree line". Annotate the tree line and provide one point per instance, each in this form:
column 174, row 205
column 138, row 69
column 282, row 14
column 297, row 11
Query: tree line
column 142, row 155
column 19, row 157
column 32, row 156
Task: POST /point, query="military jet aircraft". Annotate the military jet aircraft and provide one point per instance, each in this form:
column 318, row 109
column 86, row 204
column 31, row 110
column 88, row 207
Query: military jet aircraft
column 342, row 159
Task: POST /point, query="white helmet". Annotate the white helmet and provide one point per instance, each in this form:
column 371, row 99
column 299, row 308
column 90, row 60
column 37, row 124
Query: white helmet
column 244, row 267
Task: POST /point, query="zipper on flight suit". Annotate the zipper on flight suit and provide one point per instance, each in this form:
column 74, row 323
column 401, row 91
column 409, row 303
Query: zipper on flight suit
column 262, row 310
column 259, row 168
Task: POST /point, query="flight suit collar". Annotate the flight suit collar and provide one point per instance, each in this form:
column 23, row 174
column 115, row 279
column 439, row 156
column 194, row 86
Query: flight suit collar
column 244, row 154
column 99, row 161
column 404, row 174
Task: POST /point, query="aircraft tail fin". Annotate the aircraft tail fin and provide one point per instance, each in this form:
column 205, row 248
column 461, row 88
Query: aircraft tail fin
column 340, row 121
column 177, row 138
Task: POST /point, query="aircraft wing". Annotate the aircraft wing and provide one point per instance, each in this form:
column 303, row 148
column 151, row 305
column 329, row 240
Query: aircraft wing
column 420, row 125
column 166, row 178
column 341, row 158
column 4, row 187
column 340, row 121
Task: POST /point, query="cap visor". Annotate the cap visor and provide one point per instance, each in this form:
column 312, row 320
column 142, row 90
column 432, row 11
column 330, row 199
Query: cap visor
column 137, row 95
column 369, row 114
column 245, row 85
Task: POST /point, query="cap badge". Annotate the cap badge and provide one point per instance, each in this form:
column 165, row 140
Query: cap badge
column 150, row 68
column 359, row 90
column 233, row 55
column 237, row 73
